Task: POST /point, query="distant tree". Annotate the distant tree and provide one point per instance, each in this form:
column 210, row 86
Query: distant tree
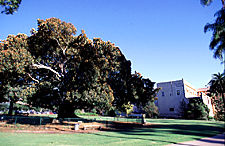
column 151, row 110
column 196, row 109
column 142, row 94
column 10, row 6
column 127, row 108
column 142, row 90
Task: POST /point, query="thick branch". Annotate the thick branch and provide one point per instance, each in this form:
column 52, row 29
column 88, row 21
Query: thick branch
column 63, row 49
column 46, row 67
column 32, row 78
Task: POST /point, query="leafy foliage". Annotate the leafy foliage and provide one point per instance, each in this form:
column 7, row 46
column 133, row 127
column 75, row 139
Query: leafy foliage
column 197, row 109
column 151, row 110
column 217, row 91
column 142, row 90
column 72, row 72
column 219, row 108
column 14, row 69
column 10, row 6
column 127, row 108
column 206, row 2
column 217, row 43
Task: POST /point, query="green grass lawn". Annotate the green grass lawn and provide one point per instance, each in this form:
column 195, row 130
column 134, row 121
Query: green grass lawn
column 165, row 131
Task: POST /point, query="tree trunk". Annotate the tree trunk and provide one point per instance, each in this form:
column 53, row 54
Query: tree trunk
column 66, row 110
column 223, row 98
column 10, row 108
column 223, row 3
column 224, row 60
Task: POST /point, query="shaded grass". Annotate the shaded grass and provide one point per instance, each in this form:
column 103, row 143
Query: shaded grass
column 162, row 132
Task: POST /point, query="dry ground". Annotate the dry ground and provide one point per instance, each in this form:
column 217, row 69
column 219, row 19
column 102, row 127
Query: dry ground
column 68, row 127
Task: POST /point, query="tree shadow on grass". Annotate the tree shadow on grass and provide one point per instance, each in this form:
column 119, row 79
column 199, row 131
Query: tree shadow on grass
column 136, row 130
column 135, row 138
column 148, row 131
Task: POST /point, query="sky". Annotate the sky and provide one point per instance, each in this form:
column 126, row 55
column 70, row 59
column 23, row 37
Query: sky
column 163, row 39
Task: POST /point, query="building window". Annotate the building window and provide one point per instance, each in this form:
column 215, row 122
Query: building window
column 178, row 92
column 163, row 94
column 171, row 109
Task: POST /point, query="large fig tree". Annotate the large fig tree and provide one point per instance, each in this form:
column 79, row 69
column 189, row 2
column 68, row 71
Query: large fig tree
column 74, row 72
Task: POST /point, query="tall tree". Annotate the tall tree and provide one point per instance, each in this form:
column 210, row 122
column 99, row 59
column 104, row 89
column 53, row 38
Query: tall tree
column 73, row 72
column 143, row 94
column 76, row 71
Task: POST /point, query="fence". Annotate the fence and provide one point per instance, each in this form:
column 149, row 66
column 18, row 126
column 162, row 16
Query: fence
column 26, row 120
column 37, row 120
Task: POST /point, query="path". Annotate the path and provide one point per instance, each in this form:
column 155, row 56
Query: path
column 217, row 140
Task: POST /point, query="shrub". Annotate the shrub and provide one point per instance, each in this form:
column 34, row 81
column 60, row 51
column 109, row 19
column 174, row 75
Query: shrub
column 79, row 112
column 127, row 108
column 151, row 110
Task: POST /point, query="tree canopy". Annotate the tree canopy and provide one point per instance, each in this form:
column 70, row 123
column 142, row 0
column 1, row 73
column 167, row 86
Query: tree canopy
column 15, row 60
column 67, row 72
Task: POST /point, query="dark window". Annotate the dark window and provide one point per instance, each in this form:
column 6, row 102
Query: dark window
column 171, row 109
column 178, row 92
column 163, row 94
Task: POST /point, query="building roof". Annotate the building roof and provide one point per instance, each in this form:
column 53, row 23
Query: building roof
column 203, row 89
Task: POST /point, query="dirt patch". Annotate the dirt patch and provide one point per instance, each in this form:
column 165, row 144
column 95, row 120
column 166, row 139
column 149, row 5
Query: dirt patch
column 49, row 128
column 69, row 127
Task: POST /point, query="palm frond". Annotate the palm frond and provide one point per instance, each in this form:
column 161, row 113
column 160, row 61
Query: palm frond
column 205, row 2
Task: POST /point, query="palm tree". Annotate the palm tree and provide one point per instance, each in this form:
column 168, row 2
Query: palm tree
column 217, row 43
column 217, row 86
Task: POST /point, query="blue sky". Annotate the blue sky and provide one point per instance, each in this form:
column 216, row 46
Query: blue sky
column 164, row 39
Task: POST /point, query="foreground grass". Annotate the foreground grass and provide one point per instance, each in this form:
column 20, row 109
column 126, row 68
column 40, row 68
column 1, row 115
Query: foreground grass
column 163, row 132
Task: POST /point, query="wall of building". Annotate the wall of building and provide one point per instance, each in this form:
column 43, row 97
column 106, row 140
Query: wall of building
column 173, row 93
column 190, row 91
column 207, row 101
column 170, row 98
